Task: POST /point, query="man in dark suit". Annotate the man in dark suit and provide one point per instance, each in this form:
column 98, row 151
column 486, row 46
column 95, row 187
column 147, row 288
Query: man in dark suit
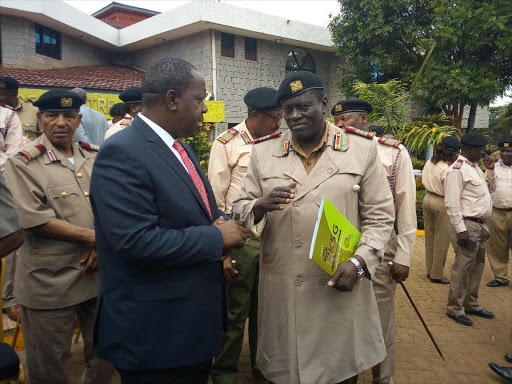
column 160, row 238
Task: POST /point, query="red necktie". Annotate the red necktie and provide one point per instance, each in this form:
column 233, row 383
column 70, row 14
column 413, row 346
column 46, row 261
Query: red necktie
column 193, row 174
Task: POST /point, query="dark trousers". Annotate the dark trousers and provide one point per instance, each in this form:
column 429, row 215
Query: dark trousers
column 191, row 374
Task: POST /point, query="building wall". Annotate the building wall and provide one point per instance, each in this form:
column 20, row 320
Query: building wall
column 196, row 49
column 19, row 48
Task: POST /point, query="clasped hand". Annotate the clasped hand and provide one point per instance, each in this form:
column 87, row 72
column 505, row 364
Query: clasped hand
column 233, row 234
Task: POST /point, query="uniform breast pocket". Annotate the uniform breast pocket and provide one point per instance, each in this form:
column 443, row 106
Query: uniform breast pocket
column 475, row 187
column 64, row 199
column 243, row 163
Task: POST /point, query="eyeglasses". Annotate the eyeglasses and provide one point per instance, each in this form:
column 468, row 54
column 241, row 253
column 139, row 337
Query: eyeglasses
column 273, row 117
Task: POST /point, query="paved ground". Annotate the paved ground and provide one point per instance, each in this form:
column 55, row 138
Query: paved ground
column 467, row 350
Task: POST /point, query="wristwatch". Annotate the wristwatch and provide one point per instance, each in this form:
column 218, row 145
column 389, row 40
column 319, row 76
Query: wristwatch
column 360, row 270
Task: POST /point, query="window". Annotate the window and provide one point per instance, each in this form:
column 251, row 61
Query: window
column 47, row 42
column 250, row 48
column 227, row 44
column 299, row 59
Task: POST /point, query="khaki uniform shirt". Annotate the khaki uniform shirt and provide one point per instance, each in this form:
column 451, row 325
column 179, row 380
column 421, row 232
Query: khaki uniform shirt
column 11, row 134
column 48, row 271
column 10, row 220
column 500, row 185
column 433, row 176
column 404, row 196
column 27, row 113
column 310, row 333
column 228, row 166
column 119, row 126
column 467, row 194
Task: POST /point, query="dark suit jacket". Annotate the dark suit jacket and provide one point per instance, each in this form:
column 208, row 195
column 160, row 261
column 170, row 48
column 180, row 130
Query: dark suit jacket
column 161, row 297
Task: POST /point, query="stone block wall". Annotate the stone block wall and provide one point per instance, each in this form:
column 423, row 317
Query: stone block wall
column 19, row 48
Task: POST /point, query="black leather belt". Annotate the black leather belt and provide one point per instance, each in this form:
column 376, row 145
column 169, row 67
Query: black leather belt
column 504, row 209
column 475, row 219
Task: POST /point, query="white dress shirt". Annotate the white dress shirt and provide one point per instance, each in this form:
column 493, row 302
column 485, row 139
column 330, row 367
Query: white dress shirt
column 165, row 136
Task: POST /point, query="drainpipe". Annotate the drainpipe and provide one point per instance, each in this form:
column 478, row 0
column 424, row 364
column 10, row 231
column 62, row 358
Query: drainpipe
column 214, row 75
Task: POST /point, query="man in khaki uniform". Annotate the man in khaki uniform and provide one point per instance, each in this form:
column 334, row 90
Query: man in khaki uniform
column 500, row 223
column 132, row 104
column 229, row 159
column 27, row 112
column 398, row 166
column 11, row 228
column 468, row 202
column 313, row 328
column 56, row 276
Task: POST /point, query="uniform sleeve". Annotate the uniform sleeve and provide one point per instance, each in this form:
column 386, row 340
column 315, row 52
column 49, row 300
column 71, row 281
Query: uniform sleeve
column 442, row 177
column 28, row 194
column 376, row 211
column 219, row 173
column 12, row 140
column 490, row 176
column 10, row 220
column 405, row 206
column 251, row 191
column 454, row 186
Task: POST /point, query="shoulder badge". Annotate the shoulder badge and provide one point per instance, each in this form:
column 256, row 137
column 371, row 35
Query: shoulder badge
column 33, row 152
column 338, row 141
column 359, row 132
column 268, row 137
column 125, row 122
column 227, row 135
column 458, row 164
column 88, row 146
column 245, row 137
column 390, row 142
column 286, row 147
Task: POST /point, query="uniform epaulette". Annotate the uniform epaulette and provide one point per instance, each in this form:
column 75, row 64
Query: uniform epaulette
column 228, row 135
column 89, row 147
column 391, row 142
column 7, row 106
column 125, row 121
column 359, row 132
column 33, row 152
column 458, row 164
column 268, row 137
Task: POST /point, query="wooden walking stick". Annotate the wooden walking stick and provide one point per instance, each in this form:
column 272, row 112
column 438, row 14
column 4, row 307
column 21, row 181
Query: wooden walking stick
column 390, row 264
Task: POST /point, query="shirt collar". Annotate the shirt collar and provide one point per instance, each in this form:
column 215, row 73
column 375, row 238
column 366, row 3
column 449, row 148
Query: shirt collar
column 162, row 133
column 297, row 147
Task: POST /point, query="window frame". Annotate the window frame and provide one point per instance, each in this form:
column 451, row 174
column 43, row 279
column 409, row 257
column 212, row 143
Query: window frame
column 250, row 52
column 52, row 48
column 227, row 47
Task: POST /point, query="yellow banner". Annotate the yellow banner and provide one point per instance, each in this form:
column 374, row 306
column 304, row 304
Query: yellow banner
column 102, row 102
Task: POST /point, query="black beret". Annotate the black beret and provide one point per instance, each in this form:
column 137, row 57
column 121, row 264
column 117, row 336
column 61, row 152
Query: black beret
column 117, row 110
column 506, row 142
column 473, row 140
column 297, row 83
column 58, row 100
column 9, row 84
column 262, row 98
column 351, row 105
column 452, row 142
column 132, row 95
column 379, row 131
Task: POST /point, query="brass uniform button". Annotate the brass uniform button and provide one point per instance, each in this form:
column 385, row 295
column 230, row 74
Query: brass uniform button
column 79, row 175
column 63, row 194
column 86, row 194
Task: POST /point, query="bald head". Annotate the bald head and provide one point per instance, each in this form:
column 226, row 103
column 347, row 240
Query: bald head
column 80, row 93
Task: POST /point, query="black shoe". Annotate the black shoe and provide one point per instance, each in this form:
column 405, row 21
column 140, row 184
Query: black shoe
column 505, row 372
column 461, row 319
column 482, row 313
column 496, row 283
column 508, row 357
column 440, row 281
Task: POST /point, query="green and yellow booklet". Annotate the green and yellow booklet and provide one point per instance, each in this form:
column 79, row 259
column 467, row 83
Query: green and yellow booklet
column 335, row 238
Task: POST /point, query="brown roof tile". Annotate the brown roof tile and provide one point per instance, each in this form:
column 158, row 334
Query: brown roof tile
column 94, row 77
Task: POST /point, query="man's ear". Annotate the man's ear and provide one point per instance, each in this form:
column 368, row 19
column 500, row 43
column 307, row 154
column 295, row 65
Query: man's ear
column 170, row 99
column 364, row 118
column 325, row 104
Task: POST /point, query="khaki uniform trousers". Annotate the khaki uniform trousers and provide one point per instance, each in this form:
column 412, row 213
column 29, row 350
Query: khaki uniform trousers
column 385, row 287
column 47, row 335
column 500, row 226
column 8, row 299
column 242, row 302
column 467, row 270
column 437, row 236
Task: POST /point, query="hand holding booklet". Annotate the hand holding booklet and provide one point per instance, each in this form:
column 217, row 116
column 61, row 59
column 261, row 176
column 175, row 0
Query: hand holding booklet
column 334, row 240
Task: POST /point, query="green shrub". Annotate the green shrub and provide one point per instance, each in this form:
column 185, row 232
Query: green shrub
column 420, row 195
column 201, row 145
